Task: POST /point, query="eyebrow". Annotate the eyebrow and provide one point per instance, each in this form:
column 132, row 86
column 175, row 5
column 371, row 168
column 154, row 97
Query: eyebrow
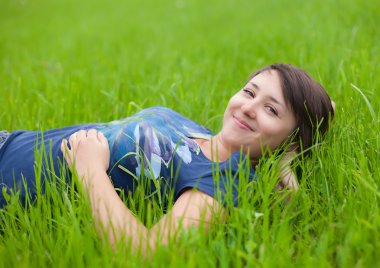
column 270, row 97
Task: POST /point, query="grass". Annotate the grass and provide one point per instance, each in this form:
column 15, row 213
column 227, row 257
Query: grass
column 67, row 62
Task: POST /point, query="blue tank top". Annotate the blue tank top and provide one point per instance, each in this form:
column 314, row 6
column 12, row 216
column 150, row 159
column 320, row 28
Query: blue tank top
column 155, row 146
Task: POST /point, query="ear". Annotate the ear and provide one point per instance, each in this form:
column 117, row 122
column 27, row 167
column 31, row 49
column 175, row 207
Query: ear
column 333, row 105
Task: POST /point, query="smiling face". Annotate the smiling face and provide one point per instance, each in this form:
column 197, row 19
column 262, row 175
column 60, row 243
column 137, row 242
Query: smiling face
column 257, row 117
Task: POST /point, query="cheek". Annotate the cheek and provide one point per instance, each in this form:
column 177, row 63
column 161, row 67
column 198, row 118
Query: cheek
column 232, row 104
column 268, row 125
column 273, row 133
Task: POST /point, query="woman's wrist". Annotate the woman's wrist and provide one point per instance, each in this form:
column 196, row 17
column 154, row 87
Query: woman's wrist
column 90, row 175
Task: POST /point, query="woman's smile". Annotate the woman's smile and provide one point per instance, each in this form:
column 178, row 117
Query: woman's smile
column 241, row 123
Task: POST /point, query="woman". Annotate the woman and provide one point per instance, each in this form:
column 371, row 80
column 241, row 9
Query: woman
column 280, row 106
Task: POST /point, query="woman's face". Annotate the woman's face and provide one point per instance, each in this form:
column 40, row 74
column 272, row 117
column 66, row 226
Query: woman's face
column 257, row 116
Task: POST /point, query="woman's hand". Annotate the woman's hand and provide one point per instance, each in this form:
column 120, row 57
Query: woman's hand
column 288, row 178
column 88, row 153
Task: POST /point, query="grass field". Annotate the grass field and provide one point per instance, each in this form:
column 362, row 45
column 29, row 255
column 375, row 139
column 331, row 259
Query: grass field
column 67, row 62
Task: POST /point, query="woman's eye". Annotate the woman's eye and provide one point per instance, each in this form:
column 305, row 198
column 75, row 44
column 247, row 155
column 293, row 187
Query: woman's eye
column 272, row 110
column 249, row 92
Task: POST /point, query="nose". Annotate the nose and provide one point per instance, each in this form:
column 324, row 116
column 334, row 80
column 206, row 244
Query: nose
column 249, row 109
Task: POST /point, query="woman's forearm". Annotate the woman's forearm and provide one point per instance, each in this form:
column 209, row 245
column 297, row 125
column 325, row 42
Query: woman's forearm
column 192, row 208
column 111, row 214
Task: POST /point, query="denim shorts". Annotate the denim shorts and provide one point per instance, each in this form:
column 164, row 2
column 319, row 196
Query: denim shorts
column 3, row 137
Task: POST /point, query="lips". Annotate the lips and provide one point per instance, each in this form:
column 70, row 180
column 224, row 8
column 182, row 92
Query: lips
column 241, row 123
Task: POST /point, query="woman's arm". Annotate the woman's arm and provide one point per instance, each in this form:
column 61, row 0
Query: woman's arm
column 89, row 156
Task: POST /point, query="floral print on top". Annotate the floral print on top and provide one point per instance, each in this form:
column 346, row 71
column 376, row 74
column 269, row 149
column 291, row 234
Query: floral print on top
column 152, row 137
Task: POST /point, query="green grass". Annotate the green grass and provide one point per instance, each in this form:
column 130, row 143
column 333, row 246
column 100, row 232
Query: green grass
column 68, row 62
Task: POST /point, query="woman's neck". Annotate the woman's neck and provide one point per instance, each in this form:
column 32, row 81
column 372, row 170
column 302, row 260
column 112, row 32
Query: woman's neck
column 214, row 149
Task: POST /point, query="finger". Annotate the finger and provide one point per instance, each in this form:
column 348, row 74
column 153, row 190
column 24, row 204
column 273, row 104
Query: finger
column 102, row 138
column 92, row 133
column 64, row 147
column 295, row 185
column 72, row 139
column 81, row 134
column 66, row 152
column 289, row 182
column 280, row 185
column 292, row 184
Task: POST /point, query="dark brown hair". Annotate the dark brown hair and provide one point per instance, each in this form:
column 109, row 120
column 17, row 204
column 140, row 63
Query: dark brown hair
column 308, row 100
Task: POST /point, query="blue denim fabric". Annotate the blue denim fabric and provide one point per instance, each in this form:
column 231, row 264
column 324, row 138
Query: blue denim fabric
column 3, row 137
